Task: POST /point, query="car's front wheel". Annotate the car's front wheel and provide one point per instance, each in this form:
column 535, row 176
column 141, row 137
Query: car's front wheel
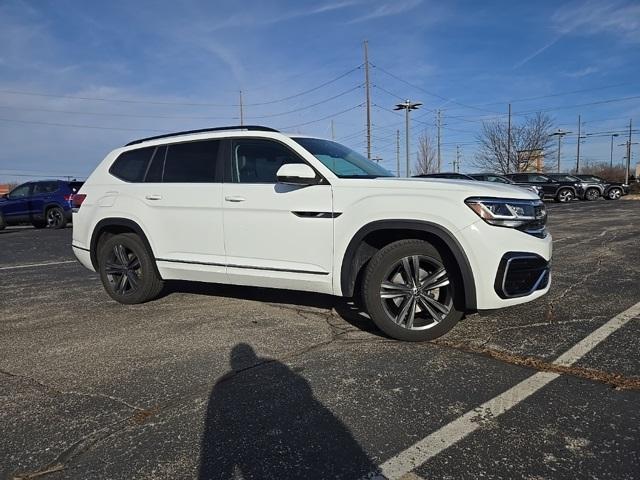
column 592, row 194
column 614, row 194
column 411, row 292
column 564, row 195
column 127, row 269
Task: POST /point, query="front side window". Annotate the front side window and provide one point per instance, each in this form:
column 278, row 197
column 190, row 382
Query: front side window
column 20, row 192
column 191, row 162
column 342, row 161
column 538, row 178
column 130, row 166
column 565, row 178
column 258, row 161
column 495, row 178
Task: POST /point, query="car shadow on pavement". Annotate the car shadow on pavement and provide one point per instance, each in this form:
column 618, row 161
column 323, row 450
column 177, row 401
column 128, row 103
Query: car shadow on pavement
column 345, row 308
column 263, row 421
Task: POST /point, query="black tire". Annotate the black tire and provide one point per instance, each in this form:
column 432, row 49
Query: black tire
column 39, row 224
column 128, row 270
column 564, row 195
column 592, row 194
column 388, row 266
column 54, row 218
column 614, row 193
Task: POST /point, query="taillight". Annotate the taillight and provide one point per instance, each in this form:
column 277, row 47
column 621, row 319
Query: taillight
column 68, row 198
column 76, row 200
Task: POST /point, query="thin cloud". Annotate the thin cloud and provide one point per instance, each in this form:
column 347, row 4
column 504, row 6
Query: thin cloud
column 584, row 72
column 387, row 10
column 537, row 52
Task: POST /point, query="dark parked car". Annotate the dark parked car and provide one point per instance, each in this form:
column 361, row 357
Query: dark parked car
column 560, row 189
column 44, row 204
column 608, row 190
column 494, row 177
column 449, row 175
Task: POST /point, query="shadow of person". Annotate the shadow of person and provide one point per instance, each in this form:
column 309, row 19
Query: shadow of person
column 265, row 423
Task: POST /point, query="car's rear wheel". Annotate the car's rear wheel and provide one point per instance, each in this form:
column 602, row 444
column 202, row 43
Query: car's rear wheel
column 592, row 194
column 564, row 195
column 614, row 194
column 127, row 269
column 55, row 218
column 410, row 291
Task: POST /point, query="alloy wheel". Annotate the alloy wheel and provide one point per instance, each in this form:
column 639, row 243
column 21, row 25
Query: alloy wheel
column 416, row 292
column 615, row 194
column 565, row 195
column 123, row 270
column 592, row 194
column 54, row 217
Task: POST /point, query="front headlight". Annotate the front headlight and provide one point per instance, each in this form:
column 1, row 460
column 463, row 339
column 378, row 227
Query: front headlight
column 529, row 216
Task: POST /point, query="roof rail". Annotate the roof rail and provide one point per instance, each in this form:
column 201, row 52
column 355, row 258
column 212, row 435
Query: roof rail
column 257, row 128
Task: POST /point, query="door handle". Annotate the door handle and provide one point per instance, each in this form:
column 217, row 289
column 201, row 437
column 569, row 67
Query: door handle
column 234, row 198
column 153, row 197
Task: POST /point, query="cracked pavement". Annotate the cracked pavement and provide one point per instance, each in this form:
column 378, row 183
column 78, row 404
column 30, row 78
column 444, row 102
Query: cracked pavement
column 212, row 380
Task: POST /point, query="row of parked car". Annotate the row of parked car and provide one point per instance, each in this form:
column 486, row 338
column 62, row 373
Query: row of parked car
column 561, row 187
column 45, row 203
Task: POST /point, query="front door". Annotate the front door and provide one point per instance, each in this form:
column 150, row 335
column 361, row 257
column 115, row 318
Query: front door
column 276, row 235
column 16, row 208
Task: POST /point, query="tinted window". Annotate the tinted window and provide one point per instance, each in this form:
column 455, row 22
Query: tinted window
column 538, row 178
column 75, row 186
column 191, row 162
column 257, row 161
column 154, row 173
column 565, row 178
column 21, row 191
column 497, row 179
column 519, row 178
column 131, row 166
column 45, row 187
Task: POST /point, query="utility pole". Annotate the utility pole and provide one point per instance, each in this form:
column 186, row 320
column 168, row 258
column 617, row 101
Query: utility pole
column 407, row 106
column 241, row 111
column 368, row 96
column 456, row 167
column 398, row 153
column 611, row 158
column 333, row 132
column 578, row 151
column 509, row 141
column 439, row 157
column 626, row 171
column 559, row 134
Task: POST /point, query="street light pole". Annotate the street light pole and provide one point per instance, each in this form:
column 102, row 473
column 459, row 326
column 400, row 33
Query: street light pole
column 560, row 134
column 407, row 106
column 611, row 159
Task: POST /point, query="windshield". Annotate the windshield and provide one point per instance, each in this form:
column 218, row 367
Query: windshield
column 342, row 161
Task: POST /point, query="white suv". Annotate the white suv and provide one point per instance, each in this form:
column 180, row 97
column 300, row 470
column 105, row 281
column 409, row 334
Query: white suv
column 252, row 206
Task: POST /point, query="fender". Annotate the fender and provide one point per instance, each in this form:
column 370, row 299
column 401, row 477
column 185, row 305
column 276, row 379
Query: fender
column 348, row 273
column 115, row 222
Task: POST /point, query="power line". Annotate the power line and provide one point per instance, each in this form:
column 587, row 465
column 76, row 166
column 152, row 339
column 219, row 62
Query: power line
column 308, row 106
column 323, row 118
column 187, row 104
column 81, row 126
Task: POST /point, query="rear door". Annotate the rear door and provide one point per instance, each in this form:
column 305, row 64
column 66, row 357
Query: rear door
column 44, row 193
column 548, row 185
column 276, row 235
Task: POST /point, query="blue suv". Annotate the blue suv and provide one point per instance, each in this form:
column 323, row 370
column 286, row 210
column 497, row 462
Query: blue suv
column 43, row 204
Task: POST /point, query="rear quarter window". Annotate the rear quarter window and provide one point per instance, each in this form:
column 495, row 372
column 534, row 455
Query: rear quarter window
column 131, row 166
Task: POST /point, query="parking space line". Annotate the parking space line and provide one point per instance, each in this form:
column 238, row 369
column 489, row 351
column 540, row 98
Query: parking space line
column 30, row 265
column 441, row 439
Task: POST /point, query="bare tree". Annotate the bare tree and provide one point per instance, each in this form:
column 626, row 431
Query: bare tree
column 602, row 169
column 427, row 159
column 530, row 141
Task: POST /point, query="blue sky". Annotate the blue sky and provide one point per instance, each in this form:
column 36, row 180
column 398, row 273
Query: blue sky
column 80, row 78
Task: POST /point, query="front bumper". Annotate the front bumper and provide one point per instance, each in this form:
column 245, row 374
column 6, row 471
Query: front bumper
column 488, row 246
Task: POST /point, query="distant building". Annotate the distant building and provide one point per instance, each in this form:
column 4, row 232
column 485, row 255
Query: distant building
column 535, row 157
column 4, row 188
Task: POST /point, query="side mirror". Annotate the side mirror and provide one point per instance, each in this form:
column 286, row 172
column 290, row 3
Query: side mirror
column 297, row 174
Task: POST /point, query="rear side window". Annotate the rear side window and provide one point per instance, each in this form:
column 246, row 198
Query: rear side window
column 75, row 186
column 191, row 162
column 131, row 166
column 45, row 187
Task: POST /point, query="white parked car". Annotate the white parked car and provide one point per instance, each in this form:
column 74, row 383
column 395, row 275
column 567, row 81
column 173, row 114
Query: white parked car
column 252, row 206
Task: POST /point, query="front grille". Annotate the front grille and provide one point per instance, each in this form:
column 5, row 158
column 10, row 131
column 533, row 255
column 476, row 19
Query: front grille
column 520, row 274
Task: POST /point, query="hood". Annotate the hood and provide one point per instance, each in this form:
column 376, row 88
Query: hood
column 467, row 188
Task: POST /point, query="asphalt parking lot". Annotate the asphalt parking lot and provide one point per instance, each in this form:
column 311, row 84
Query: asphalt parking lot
column 214, row 381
